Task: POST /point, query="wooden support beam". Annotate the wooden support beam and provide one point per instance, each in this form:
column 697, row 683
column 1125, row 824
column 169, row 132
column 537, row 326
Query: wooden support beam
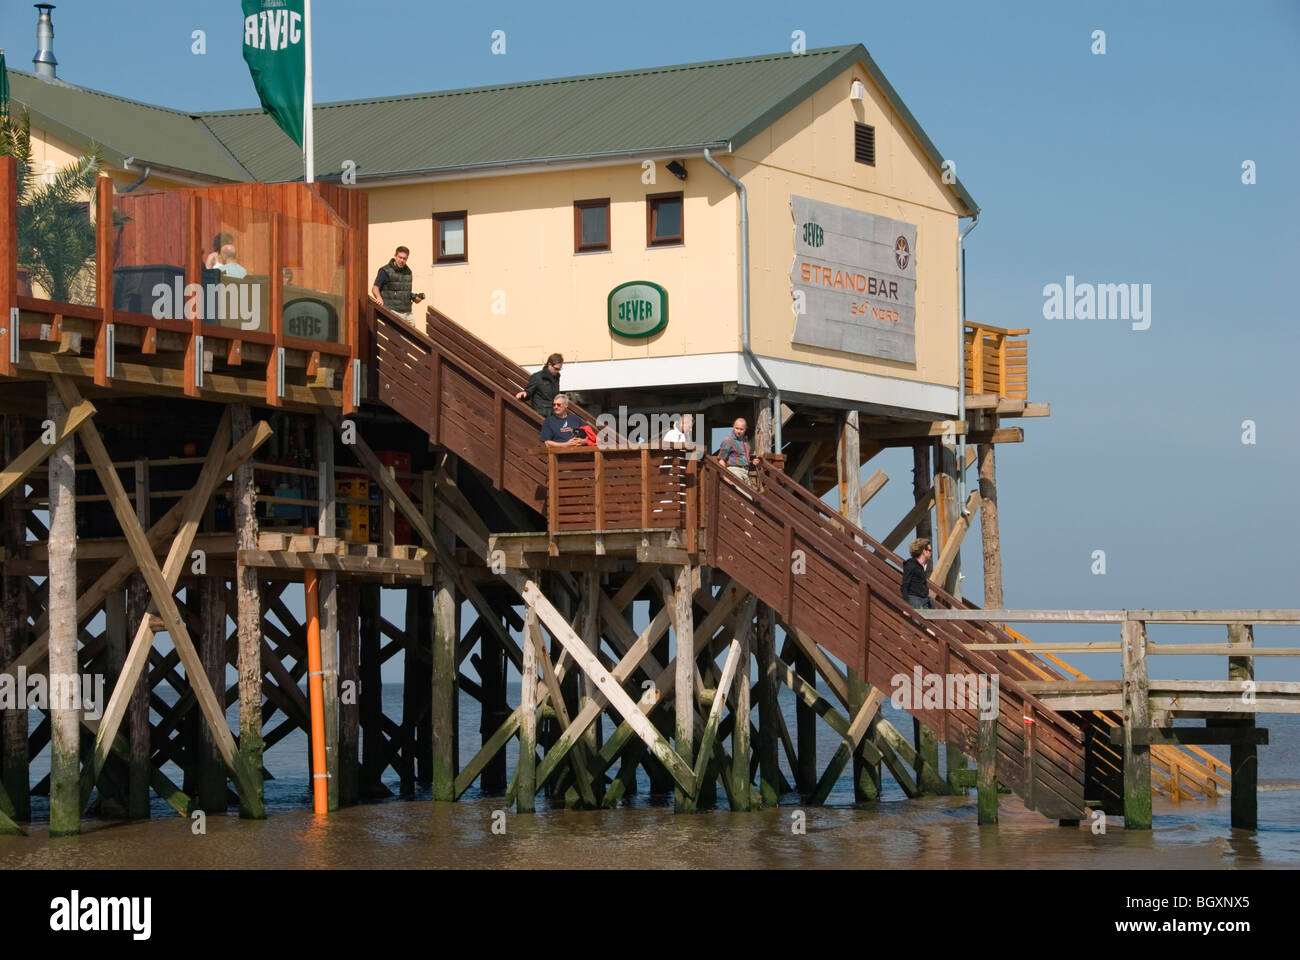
column 1242, row 753
column 1137, row 714
column 63, row 430
column 65, row 805
column 952, row 544
column 526, row 771
column 14, row 632
column 683, row 617
column 761, row 620
column 710, row 735
column 160, row 586
column 990, row 536
column 137, row 718
column 872, row 486
column 986, row 770
column 91, row 598
column 848, row 746
column 677, row 766
column 349, row 789
column 577, row 757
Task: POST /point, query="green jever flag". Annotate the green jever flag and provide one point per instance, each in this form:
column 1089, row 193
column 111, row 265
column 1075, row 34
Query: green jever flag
column 274, row 48
column 4, row 87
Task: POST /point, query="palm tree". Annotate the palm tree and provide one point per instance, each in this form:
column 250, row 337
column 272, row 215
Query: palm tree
column 56, row 239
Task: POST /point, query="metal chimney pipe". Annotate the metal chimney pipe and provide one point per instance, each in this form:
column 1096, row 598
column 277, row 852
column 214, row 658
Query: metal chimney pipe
column 46, row 63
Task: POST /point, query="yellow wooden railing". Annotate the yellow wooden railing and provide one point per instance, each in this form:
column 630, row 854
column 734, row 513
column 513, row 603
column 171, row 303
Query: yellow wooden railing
column 995, row 363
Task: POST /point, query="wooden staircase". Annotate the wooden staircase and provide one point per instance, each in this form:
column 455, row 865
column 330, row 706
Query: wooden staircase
column 845, row 596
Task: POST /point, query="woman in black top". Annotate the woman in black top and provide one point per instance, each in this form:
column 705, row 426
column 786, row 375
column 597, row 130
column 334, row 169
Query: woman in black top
column 915, row 587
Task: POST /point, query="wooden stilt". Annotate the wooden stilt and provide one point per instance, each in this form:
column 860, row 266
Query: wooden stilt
column 248, row 620
column 1137, row 715
column 805, row 773
column 743, row 649
column 113, row 802
column 493, row 710
column 212, row 651
column 370, row 703
column 349, row 782
column 65, row 718
column 992, row 540
column 137, row 717
column 947, row 511
column 1243, row 752
column 661, row 782
column 329, row 608
column 591, row 593
column 411, row 666
column 527, row 768
column 445, row 686
column 684, row 727
column 14, row 633
column 770, row 721
column 986, row 771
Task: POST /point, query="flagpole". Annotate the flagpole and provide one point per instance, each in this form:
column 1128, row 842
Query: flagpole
column 308, row 133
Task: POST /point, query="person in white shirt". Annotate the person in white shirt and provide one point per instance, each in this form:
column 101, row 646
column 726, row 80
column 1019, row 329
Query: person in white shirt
column 682, row 432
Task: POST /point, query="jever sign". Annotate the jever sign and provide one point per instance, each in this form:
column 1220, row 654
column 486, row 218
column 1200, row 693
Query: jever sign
column 854, row 281
column 638, row 309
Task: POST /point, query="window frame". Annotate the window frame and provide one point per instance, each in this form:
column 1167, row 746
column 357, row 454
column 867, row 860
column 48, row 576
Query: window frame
column 652, row 215
column 578, row 245
column 440, row 218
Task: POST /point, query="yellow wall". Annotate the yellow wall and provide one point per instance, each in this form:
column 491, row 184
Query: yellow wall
column 520, row 238
column 809, row 152
column 520, row 242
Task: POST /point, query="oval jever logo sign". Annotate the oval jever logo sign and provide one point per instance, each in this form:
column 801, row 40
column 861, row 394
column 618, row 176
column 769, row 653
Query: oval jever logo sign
column 638, row 309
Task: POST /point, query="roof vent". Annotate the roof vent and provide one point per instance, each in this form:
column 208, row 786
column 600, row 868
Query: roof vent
column 46, row 63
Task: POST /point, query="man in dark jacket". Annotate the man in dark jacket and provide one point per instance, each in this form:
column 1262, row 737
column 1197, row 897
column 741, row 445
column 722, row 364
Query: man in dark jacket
column 392, row 286
column 915, row 587
column 543, row 386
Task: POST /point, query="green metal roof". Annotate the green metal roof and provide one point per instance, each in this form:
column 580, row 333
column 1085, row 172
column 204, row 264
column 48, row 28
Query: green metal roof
column 683, row 107
column 124, row 128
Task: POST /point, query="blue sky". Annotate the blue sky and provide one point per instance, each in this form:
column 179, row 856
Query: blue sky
column 1117, row 168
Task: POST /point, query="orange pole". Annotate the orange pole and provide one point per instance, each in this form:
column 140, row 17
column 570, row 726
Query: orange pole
column 315, row 691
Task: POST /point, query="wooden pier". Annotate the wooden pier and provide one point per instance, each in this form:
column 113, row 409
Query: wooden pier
column 181, row 461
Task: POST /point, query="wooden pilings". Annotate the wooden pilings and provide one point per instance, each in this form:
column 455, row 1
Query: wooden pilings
column 445, row 682
column 14, row 632
column 248, row 621
column 349, row 683
column 527, row 770
column 770, row 723
column 329, row 608
column 212, row 651
column 986, row 770
column 1243, row 752
column 1137, row 716
column 65, row 718
column 684, row 681
column 370, row 696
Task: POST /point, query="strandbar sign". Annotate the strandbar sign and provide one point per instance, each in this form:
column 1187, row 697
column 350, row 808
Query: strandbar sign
column 638, row 309
column 854, row 281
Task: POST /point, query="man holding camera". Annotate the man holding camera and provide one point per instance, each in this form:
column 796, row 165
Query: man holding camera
column 392, row 285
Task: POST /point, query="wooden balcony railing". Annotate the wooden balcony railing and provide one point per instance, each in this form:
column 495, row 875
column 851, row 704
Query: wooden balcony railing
column 995, row 363
column 628, row 487
column 304, row 245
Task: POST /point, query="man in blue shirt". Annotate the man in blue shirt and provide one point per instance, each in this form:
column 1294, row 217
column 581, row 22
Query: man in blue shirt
column 562, row 428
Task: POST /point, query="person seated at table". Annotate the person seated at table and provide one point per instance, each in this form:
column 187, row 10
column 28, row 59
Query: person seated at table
column 229, row 263
column 562, row 428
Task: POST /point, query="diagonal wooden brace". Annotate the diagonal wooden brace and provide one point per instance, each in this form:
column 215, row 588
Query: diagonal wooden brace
column 35, row 455
column 857, row 729
column 606, row 685
column 160, row 587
